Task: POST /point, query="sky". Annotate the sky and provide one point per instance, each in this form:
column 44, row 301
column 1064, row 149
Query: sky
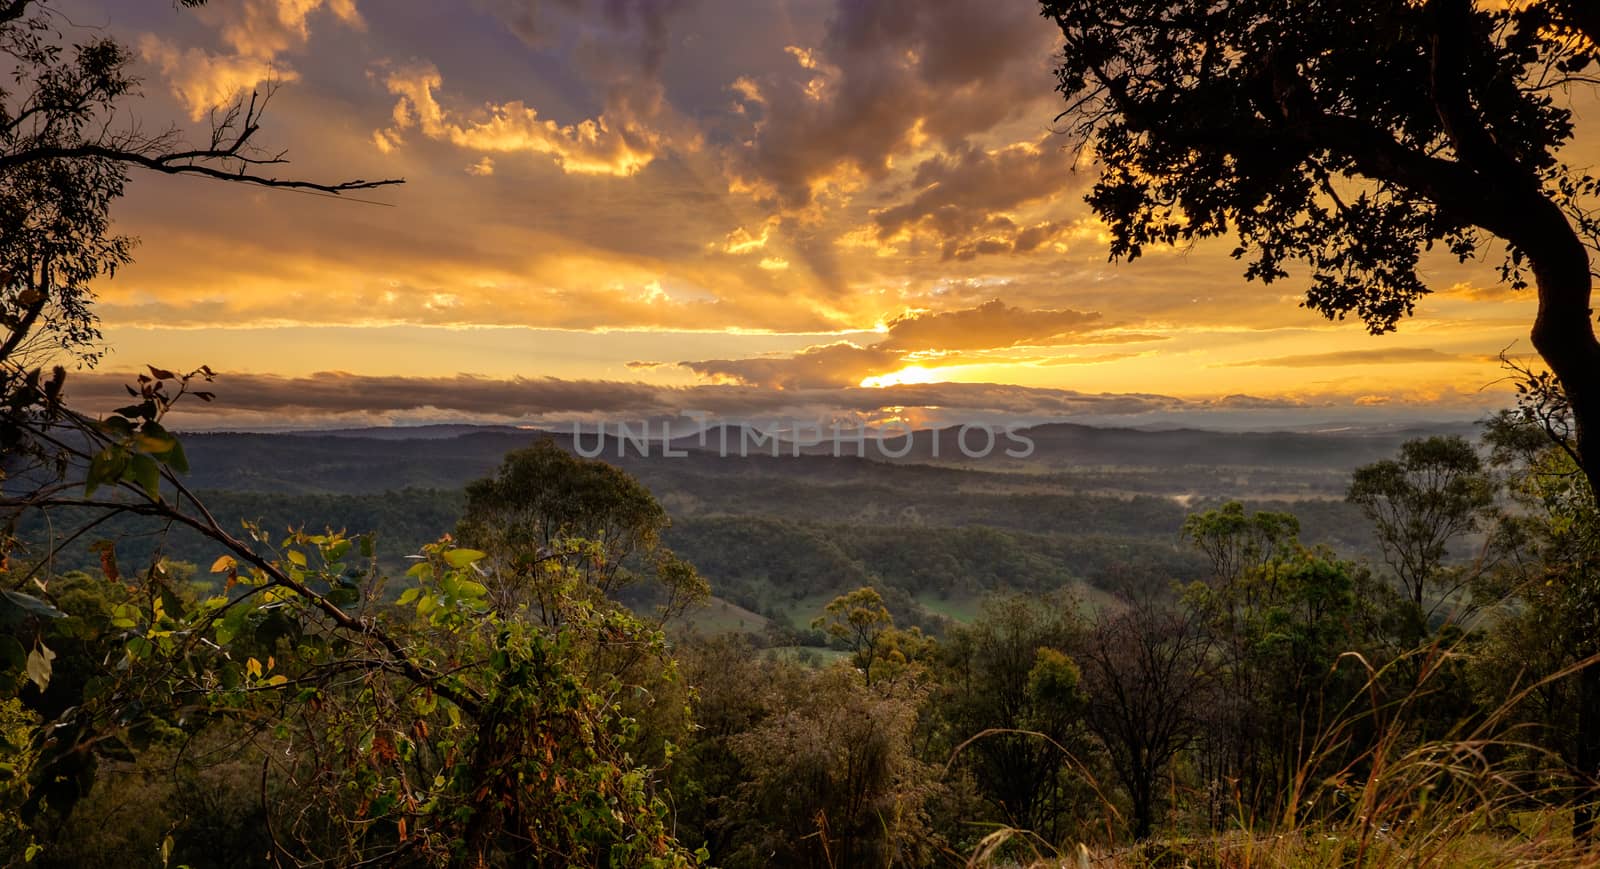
column 624, row 209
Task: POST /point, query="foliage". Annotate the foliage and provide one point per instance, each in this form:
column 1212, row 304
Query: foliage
column 17, row 729
column 860, row 621
column 1348, row 136
column 1281, row 629
column 548, row 507
column 1145, row 671
column 831, row 779
column 1419, row 504
column 1011, row 705
column 1552, row 618
column 451, row 701
column 1235, row 542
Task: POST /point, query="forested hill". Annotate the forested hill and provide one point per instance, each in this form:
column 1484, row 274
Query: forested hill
column 1181, row 461
column 1096, row 509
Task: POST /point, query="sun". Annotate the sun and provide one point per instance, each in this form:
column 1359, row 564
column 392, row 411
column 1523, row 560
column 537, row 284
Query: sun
column 908, row 374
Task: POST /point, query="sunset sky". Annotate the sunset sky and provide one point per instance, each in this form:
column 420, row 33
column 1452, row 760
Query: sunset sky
column 626, row 208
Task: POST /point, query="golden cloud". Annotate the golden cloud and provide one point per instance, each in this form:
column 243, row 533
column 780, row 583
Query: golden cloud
column 989, row 325
column 202, row 81
column 595, row 146
column 257, row 32
column 822, row 366
column 911, row 343
column 967, row 200
column 1376, row 356
column 883, row 81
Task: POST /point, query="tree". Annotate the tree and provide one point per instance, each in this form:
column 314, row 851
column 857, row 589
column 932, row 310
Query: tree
column 67, row 146
column 860, row 621
column 557, row 525
column 380, row 730
column 1554, row 622
column 1235, row 542
column 1351, row 137
column 829, row 776
column 1420, row 503
column 1279, row 631
column 1012, row 699
column 1145, row 669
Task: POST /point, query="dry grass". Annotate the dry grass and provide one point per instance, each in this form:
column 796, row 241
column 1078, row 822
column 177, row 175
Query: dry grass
column 1304, row 849
column 1397, row 801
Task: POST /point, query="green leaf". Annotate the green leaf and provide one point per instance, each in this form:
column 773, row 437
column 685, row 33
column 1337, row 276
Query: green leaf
column 408, row 596
column 232, row 624
column 154, row 439
column 105, row 467
column 147, row 474
column 462, row 557
column 117, row 427
column 176, row 459
column 296, row 557
column 125, row 616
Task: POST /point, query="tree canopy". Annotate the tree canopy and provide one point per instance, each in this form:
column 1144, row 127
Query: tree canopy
column 1350, row 137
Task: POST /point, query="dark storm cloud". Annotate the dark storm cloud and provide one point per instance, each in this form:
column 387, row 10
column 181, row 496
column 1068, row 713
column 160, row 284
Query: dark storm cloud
column 887, row 72
column 841, row 364
column 335, row 393
column 962, row 197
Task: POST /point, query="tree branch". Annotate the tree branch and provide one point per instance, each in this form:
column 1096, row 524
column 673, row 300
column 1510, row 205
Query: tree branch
column 13, row 10
column 1448, row 88
column 171, row 164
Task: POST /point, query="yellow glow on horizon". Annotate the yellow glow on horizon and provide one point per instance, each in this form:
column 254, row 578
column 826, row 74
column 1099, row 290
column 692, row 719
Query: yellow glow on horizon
column 908, row 374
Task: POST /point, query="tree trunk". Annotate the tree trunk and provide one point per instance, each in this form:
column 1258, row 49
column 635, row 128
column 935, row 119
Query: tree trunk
column 1563, row 330
column 1563, row 333
column 1143, row 817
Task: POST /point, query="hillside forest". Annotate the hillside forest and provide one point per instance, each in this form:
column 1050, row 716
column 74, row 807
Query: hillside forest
column 782, row 670
column 477, row 643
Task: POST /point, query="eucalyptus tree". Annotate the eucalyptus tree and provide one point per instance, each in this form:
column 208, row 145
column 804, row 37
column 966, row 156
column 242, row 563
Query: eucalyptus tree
column 1349, row 138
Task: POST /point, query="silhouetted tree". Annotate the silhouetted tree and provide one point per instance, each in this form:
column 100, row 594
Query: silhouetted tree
column 1350, row 137
column 67, row 146
column 1144, row 674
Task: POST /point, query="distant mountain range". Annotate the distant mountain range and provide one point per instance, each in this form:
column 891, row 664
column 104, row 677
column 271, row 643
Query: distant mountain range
column 1098, row 509
column 447, row 456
